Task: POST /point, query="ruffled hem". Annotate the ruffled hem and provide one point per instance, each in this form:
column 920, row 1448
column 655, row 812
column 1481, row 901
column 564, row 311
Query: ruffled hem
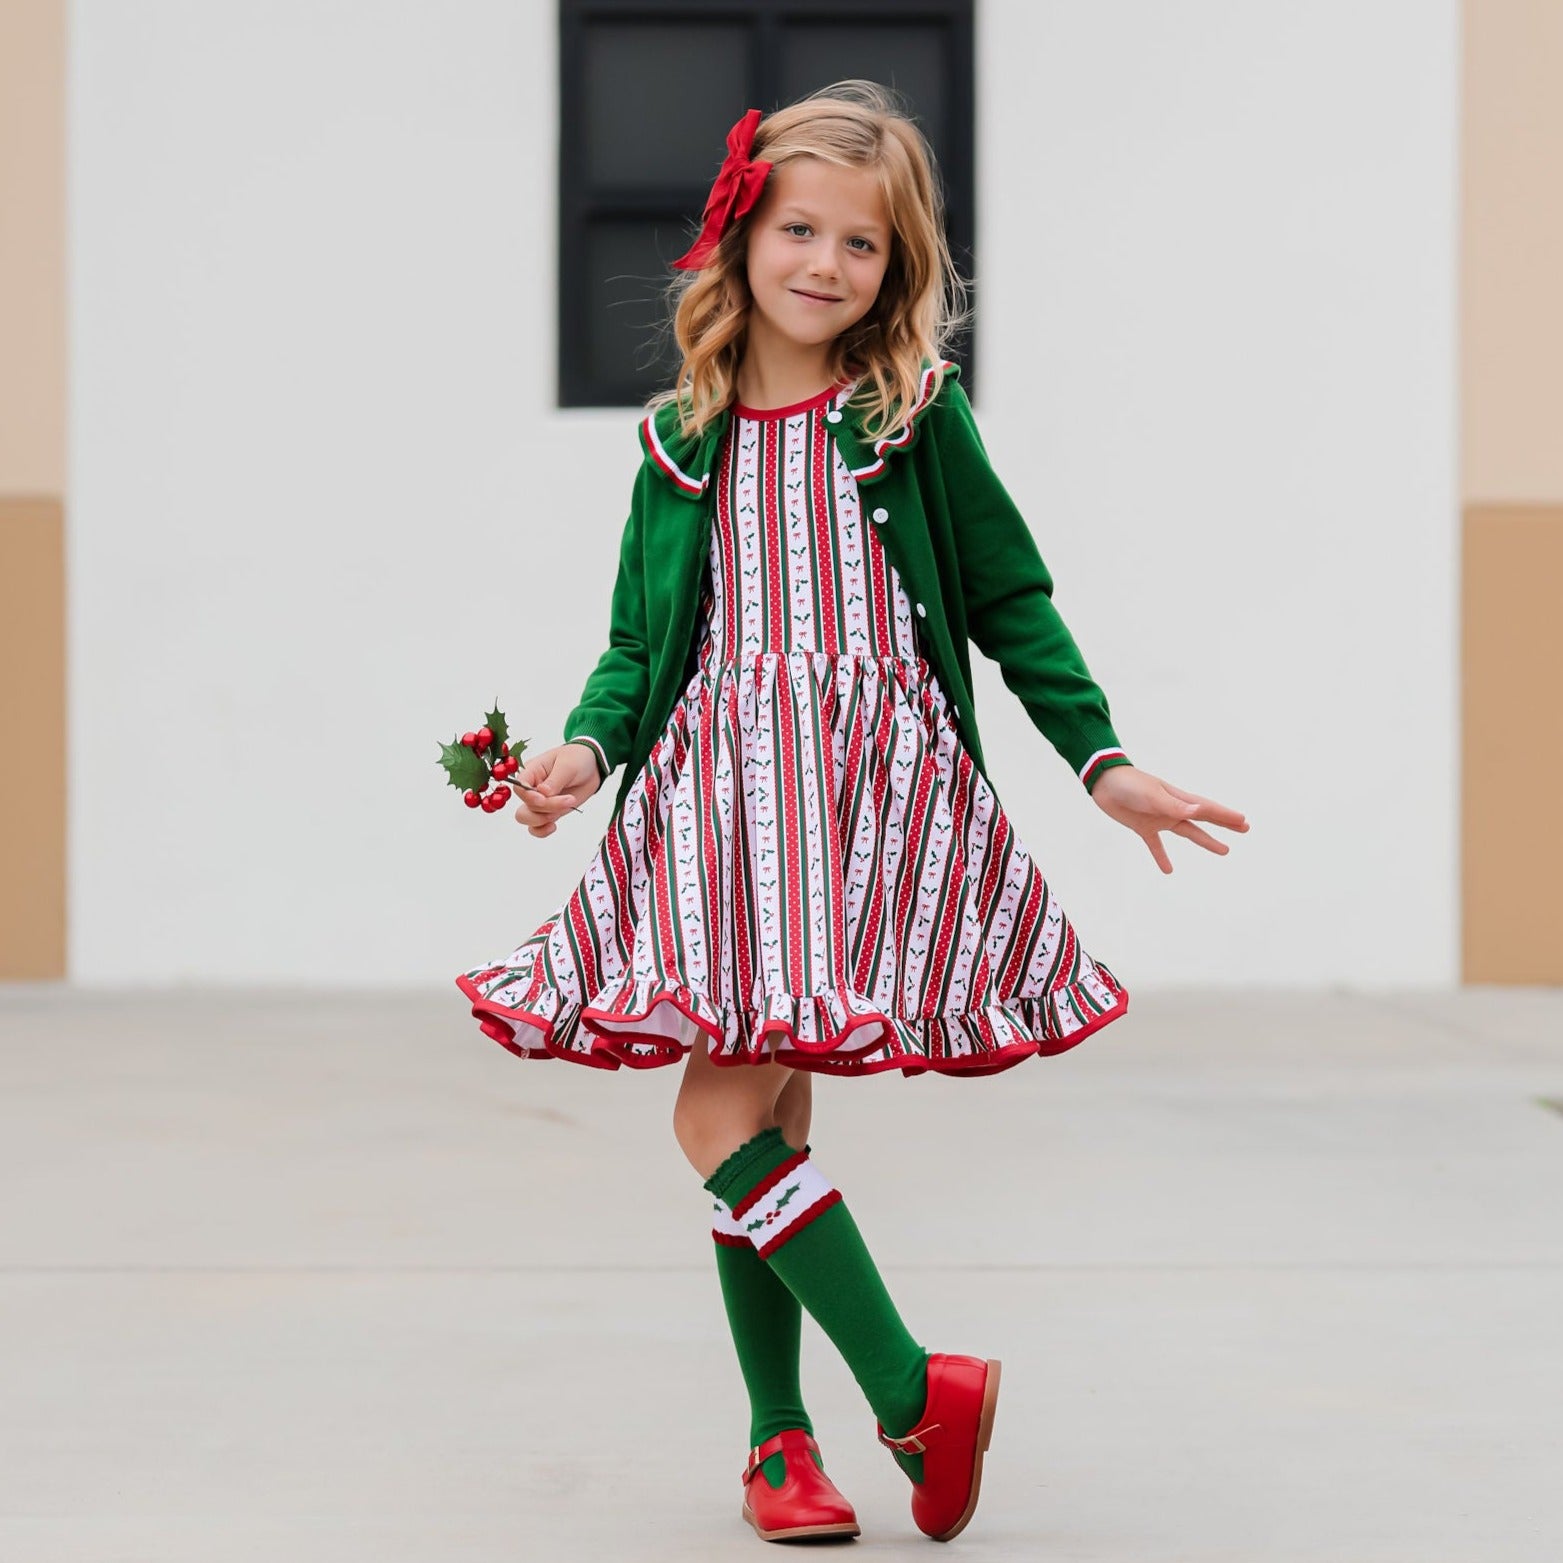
column 650, row 1024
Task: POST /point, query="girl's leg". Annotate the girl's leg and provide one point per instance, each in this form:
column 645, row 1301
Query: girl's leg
column 795, row 1109
column 763, row 1315
column 765, row 1318
column 719, row 1107
column 797, row 1221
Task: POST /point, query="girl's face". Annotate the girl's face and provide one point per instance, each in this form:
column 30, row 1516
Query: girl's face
column 819, row 242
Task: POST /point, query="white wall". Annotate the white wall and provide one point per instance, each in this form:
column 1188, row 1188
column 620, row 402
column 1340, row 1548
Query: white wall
column 324, row 510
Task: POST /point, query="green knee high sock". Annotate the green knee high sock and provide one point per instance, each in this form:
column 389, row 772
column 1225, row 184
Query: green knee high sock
column 766, row 1322
column 801, row 1228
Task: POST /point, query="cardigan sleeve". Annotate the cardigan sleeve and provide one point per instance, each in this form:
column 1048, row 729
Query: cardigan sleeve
column 608, row 713
column 1008, row 596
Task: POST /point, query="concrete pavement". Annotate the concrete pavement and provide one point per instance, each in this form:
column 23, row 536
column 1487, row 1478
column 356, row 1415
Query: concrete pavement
column 1275, row 1276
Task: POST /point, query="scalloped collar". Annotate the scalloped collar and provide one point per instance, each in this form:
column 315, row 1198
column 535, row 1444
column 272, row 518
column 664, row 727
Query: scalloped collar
column 686, row 460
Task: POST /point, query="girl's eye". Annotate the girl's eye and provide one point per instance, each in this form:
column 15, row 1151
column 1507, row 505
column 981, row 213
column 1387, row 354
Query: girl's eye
column 867, row 244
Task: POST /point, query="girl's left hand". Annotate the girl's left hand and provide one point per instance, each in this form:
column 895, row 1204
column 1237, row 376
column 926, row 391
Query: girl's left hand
column 1148, row 806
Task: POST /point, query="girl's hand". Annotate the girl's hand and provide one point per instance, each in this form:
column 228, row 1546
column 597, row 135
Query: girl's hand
column 1148, row 806
column 553, row 783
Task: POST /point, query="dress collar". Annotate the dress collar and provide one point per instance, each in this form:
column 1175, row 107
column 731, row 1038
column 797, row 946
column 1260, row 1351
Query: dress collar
column 686, row 461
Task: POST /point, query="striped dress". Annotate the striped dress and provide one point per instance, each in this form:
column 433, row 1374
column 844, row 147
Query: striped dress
column 809, row 867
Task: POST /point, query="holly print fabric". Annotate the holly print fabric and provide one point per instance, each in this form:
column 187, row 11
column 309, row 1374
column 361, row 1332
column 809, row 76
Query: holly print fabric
column 809, row 866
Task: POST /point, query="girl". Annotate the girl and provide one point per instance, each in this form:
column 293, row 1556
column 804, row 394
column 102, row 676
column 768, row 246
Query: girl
column 807, row 870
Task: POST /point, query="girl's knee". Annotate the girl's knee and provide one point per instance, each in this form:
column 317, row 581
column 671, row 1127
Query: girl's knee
column 718, row 1109
column 709, row 1130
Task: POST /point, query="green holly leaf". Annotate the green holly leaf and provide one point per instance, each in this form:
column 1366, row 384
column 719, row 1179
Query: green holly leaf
column 495, row 722
column 464, row 766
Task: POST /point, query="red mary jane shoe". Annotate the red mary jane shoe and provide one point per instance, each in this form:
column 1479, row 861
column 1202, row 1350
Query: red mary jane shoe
column 806, row 1504
column 951, row 1435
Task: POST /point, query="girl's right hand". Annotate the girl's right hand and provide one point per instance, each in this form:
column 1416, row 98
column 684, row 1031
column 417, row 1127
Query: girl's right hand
column 563, row 778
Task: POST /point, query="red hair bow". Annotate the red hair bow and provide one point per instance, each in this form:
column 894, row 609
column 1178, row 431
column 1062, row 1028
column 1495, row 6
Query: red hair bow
column 738, row 185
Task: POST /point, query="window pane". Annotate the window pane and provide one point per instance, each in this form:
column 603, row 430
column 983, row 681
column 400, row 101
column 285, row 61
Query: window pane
column 660, row 99
column 906, row 56
column 627, row 265
column 648, row 91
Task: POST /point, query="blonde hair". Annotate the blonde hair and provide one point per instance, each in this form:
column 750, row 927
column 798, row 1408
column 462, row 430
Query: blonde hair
column 922, row 301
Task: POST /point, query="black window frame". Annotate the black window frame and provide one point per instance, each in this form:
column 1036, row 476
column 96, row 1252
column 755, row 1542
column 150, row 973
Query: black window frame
column 579, row 205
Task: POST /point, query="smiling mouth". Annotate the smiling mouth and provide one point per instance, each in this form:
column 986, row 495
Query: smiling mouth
column 823, row 298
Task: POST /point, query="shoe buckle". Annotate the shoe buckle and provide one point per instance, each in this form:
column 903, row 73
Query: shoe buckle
column 759, row 1455
column 910, row 1443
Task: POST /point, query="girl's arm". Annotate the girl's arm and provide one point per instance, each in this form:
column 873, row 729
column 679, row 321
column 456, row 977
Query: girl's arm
column 608, row 713
column 1011, row 617
column 1008, row 594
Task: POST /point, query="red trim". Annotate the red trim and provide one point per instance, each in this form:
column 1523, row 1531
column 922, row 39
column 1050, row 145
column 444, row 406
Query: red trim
column 728, row 1240
column 767, row 1183
column 817, row 1209
column 598, row 1022
column 820, row 400
column 649, row 438
column 904, row 437
column 620, row 1054
column 1099, row 762
column 497, row 1021
column 610, row 1050
column 831, row 1045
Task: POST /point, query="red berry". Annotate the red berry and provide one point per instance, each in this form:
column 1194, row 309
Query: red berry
column 507, row 768
column 470, row 798
column 470, row 740
column 504, row 749
column 485, row 738
column 501, row 792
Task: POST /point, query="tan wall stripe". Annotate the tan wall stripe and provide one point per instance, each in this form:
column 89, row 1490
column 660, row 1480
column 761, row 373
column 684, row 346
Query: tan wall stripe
column 33, row 718
column 1511, row 252
column 33, row 725
column 1512, row 846
column 32, row 247
column 1511, row 385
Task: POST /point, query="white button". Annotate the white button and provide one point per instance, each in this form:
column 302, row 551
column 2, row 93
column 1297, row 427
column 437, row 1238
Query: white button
column 922, row 611
column 881, row 514
column 833, row 416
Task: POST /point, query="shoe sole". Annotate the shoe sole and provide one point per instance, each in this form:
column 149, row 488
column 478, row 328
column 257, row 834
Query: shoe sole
column 801, row 1532
column 990, row 1400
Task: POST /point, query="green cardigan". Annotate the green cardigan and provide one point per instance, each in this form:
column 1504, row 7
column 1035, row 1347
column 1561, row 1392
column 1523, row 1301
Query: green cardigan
column 963, row 551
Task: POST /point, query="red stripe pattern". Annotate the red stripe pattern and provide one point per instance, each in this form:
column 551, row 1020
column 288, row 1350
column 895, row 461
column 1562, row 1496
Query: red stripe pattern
column 809, row 867
column 775, row 1176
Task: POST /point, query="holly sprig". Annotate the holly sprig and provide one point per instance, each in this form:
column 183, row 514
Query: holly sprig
column 481, row 764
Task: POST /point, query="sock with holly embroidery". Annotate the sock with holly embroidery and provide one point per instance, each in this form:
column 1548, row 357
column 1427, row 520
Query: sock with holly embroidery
column 800, row 1227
